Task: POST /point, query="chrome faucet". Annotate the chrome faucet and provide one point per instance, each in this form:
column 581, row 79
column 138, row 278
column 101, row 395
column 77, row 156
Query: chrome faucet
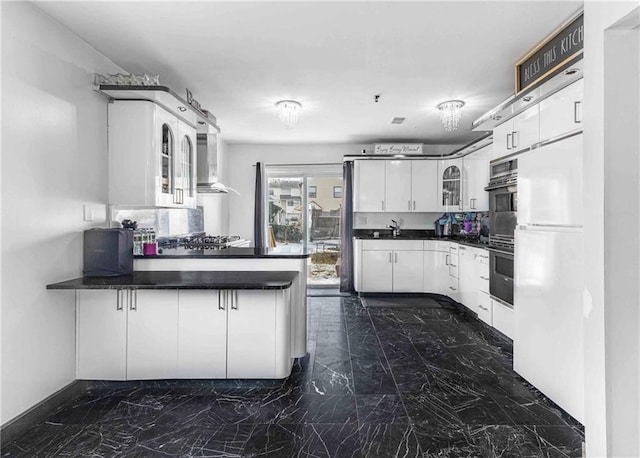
column 395, row 228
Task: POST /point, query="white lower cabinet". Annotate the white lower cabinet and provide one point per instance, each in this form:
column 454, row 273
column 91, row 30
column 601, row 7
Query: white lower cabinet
column 377, row 271
column 101, row 335
column 385, row 266
column 152, row 334
column 202, row 334
column 467, row 278
column 160, row 334
column 407, row 271
column 253, row 319
column 484, row 308
column 436, row 271
column 503, row 318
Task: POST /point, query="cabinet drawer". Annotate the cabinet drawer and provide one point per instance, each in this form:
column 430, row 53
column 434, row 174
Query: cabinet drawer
column 503, row 319
column 435, row 245
column 392, row 245
column 484, row 308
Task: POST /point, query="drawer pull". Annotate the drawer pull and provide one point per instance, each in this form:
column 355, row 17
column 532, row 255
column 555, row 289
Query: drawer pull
column 484, row 278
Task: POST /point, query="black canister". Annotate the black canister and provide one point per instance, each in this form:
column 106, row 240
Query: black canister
column 108, row 252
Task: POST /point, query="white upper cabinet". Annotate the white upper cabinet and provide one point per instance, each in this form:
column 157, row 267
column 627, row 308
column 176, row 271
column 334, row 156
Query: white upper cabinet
column 424, row 186
column 185, row 187
column 475, row 177
column 562, row 112
column 152, row 156
column 369, row 194
column 450, row 185
column 397, row 186
column 517, row 133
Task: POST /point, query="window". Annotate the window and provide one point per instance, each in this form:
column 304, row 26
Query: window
column 313, row 192
column 337, row 192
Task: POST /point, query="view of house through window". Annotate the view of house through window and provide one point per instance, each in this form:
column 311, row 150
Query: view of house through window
column 304, row 209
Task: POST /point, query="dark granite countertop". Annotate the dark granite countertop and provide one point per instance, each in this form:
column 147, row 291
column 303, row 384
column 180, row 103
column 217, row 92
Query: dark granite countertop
column 462, row 241
column 231, row 253
column 189, row 279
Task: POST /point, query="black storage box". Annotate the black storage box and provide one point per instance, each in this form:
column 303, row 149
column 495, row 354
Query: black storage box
column 108, row 252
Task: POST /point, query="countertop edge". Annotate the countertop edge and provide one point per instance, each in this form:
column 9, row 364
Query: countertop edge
column 205, row 280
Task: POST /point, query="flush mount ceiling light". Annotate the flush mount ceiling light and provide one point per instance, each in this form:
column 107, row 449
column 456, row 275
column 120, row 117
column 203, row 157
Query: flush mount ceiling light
column 450, row 113
column 289, row 110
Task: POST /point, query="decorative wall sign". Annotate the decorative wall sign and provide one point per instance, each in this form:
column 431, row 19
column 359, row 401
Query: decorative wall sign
column 552, row 53
column 395, row 148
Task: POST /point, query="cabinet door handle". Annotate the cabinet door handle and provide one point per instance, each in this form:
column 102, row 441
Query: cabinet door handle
column 484, row 278
column 483, row 308
column 395, row 255
column 446, row 260
column 234, row 300
column 414, row 205
column 133, row 300
column 508, row 138
column 452, row 288
column 383, row 205
column 118, row 300
column 514, row 145
column 409, row 205
column 390, row 254
column 472, row 204
column 220, row 300
column 577, row 119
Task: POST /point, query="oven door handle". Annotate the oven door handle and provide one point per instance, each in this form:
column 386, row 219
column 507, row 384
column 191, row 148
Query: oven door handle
column 496, row 250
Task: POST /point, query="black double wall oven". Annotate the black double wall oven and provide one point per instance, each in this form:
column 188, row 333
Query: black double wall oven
column 503, row 207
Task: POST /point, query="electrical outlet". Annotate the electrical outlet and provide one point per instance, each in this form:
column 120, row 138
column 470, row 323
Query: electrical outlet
column 87, row 213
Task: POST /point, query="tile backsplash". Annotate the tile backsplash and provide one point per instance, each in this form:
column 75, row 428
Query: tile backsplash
column 166, row 221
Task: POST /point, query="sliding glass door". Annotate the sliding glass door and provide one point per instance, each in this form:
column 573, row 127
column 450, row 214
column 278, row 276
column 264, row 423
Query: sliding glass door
column 303, row 211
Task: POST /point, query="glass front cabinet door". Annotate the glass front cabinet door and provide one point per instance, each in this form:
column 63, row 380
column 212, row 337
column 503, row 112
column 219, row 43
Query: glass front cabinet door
column 152, row 156
column 450, row 185
column 185, row 178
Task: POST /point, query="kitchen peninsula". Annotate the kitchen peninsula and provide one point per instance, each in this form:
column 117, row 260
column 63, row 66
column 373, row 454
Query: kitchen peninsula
column 232, row 313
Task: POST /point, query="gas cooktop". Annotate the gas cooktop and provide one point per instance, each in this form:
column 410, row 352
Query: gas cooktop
column 203, row 242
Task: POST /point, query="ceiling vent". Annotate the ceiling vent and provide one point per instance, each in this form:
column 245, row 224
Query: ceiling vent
column 398, row 120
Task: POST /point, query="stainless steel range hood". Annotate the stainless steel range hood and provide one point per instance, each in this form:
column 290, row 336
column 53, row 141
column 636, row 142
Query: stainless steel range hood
column 207, row 171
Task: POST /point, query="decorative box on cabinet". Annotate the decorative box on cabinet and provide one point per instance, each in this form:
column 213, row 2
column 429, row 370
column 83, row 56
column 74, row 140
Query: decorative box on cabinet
column 152, row 156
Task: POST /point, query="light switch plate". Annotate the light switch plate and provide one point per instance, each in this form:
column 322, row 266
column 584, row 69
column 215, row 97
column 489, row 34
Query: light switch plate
column 87, row 213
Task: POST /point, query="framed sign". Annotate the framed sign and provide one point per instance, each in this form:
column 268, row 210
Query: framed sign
column 560, row 47
column 398, row 148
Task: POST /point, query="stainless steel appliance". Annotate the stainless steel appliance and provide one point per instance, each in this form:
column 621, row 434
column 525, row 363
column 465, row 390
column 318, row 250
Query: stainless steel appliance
column 501, row 275
column 503, row 208
column 503, row 203
column 202, row 241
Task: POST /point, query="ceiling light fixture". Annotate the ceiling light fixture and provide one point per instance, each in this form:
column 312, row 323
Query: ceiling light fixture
column 450, row 113
column 289, row 110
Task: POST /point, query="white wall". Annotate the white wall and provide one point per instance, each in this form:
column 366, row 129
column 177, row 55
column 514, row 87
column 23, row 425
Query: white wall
column 611, row 421
column 54, row 146
column 241, row 158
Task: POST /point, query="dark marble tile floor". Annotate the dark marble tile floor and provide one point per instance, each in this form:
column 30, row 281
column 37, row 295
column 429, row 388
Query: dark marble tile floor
column 416, row 379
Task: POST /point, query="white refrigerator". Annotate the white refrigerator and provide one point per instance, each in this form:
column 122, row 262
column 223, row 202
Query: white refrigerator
column 548, row 283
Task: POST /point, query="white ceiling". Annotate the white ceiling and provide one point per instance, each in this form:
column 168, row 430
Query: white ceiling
column 239, row 58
